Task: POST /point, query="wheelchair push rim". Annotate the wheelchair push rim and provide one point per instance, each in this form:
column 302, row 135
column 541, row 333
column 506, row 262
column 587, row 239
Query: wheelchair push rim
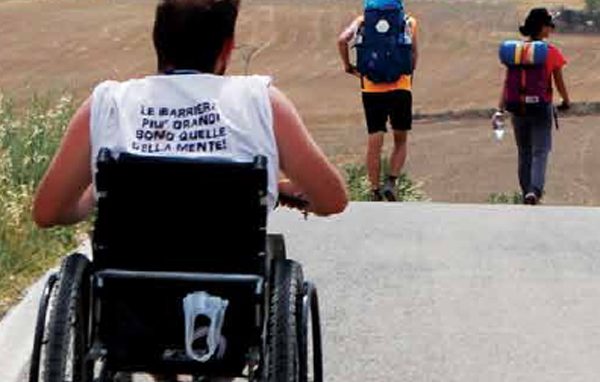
column 309, row 313
column 40, row 328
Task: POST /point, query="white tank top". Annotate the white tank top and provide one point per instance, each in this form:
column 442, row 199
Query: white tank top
column 187, row 115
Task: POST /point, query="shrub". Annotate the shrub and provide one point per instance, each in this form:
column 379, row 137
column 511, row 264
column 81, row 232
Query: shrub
column 360, row 189
column 514, row 197
column 28, row 140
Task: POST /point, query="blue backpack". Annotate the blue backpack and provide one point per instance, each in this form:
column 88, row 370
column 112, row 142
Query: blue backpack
column 384, row 44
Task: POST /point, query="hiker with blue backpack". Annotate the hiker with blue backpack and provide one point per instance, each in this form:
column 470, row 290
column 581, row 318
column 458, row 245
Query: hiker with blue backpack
column 385, row 38
column 532, row 64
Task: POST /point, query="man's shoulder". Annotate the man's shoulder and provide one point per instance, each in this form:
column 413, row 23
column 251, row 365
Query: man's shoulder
column 105, row 89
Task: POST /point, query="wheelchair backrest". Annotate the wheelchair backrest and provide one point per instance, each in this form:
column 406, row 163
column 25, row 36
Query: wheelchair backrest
column 167, row 214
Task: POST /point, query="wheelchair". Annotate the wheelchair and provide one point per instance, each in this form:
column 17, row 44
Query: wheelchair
column 167, row 228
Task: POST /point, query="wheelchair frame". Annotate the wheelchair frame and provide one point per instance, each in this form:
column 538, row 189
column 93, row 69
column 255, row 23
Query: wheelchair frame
column 270, row 355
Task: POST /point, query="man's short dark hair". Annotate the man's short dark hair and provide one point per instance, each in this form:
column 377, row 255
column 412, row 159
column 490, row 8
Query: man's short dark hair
column 190, row 34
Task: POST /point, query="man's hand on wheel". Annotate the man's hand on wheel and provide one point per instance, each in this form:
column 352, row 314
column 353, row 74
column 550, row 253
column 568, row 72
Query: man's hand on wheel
column 291, row 196
column 293, row 201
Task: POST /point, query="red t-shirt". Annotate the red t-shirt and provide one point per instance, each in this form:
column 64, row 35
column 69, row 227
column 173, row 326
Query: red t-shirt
column 556, row 60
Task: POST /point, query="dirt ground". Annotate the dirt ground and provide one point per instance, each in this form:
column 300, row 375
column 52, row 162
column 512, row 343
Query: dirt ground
column 460, row 161
column 67, row 44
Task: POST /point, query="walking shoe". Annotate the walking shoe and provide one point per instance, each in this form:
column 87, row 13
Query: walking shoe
column 389, row 194
column 389, row 189
column 531, row 199
column 376, row 195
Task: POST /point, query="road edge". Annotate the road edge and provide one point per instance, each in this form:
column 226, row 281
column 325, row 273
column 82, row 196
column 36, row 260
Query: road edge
column 16, row 334
column 18, row 325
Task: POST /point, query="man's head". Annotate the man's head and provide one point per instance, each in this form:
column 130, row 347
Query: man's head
column 195, row 34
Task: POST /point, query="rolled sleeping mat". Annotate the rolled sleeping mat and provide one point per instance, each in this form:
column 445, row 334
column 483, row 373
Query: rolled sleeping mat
column 383, row 4
column 517, row 53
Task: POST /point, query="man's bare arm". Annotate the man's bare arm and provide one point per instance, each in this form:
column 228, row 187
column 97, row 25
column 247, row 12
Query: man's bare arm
column 343, row 44
column 303, row 162
column 415, row 49
column 65, row 194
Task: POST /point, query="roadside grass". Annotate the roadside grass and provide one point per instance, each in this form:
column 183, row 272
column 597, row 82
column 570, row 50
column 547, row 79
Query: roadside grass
column 513, row 197
column 28, row 139
column 360, row 189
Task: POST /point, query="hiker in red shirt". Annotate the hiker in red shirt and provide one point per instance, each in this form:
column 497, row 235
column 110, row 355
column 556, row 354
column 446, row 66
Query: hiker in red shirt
column 530, row 100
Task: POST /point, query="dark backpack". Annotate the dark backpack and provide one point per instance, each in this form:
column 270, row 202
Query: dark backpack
column 384, row 44
column 527, row 88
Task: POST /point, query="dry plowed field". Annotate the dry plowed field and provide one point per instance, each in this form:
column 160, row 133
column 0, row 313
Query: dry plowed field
column 66, row 44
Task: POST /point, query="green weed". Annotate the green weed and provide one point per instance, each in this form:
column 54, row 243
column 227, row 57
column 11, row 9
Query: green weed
column 28, row 140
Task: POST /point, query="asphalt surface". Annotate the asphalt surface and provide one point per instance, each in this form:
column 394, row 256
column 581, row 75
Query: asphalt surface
column 455, row 293
column 433, row 292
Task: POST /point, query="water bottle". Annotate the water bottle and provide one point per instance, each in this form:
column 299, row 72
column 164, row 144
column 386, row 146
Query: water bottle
column 498, row 124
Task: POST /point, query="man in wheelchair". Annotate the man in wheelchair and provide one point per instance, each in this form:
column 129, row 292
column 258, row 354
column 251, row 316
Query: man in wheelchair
column 183, row 168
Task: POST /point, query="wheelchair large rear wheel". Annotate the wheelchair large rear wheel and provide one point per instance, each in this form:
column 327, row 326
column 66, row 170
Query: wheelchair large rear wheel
column 68, row 323
column 283, row 344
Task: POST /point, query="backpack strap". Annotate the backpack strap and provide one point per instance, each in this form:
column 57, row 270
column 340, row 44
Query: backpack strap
column 523, row 89
column 521, row 57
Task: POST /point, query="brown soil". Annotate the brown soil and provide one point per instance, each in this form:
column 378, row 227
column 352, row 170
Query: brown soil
column 459, row 161
column 69, row 44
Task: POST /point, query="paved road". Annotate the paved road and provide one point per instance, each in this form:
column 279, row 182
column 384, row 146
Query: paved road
column 456, row 293
column 431, row 292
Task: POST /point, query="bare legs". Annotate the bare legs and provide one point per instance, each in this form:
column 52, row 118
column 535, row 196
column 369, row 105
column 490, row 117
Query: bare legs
column 397, row 157
column 399, row 153
column 375, row 145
